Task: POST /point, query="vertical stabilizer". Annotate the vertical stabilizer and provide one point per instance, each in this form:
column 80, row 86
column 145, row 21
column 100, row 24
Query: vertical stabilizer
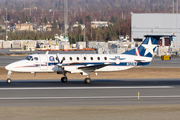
column 148, row 46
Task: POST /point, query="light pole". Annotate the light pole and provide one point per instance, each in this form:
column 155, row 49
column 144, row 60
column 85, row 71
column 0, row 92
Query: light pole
column 84, row 33
column 6, row 24
column 84, row 30
column 177, row 24
column 173, row 16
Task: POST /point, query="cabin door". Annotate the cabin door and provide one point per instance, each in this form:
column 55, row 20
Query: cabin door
column 43, row 62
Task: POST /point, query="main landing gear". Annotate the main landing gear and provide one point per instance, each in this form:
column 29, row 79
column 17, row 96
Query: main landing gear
column 64, row 79
column 87, row 80
column 9, row 75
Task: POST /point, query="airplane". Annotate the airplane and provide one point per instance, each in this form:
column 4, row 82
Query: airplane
column 87, row 63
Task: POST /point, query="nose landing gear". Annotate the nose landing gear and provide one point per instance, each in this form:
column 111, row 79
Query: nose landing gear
column 9, row 75
column 8, row 80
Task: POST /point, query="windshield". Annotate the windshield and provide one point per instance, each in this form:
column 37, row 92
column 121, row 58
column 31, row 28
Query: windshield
column 28, row 58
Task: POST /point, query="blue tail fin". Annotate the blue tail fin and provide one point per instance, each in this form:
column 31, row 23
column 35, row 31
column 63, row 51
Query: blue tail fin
column 147, row 47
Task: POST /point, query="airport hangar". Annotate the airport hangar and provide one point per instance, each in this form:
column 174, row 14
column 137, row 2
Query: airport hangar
column 155, row 23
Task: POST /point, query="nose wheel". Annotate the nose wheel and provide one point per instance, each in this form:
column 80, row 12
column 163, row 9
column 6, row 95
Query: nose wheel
column 8, row 80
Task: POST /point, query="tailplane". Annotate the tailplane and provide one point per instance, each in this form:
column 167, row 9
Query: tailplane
column 148, row 46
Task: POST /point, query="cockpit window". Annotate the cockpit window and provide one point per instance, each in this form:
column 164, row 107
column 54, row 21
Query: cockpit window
column 28, row 58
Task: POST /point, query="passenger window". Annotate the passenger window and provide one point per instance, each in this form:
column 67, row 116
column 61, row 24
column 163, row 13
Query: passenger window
column 70, row 58
column 105, row 58
column 98, row 58
column 36, row 58
column 77, row 58
column 84, row 58
column 91, row 58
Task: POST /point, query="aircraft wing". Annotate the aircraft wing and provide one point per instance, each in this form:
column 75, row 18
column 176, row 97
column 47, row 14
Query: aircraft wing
column 94, row 67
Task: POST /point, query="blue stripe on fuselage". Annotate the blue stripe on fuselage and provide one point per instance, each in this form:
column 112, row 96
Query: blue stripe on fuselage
column 113, row 64
column 85, row 64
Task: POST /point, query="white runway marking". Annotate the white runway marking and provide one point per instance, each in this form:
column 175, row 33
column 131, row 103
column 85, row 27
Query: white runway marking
column 90, row 97
column 80, row 88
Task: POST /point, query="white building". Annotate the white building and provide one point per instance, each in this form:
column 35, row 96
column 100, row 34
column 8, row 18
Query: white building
column 155, row 23
column 95, row 24
column 75, row 26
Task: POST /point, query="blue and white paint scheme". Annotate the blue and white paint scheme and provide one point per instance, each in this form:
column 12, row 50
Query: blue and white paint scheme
column 87, row 63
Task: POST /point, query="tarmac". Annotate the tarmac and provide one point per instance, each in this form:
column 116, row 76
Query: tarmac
column 99, row 92
column 103, row 99
column 136, row 99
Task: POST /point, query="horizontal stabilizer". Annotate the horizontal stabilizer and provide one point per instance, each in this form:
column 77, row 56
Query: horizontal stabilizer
column 140, row 61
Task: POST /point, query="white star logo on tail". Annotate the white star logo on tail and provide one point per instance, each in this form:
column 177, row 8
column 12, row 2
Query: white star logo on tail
column 149, row 47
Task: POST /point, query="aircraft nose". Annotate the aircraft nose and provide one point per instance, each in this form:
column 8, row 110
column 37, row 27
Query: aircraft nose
column 8, row 67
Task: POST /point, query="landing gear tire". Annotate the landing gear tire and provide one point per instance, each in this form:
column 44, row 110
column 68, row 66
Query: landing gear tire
column 8, row 80
column 64, row 79
column 87, row 80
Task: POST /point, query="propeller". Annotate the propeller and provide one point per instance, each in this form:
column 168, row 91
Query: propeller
column 60, row 64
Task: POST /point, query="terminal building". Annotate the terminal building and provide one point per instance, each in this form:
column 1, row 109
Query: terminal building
column 156, row 24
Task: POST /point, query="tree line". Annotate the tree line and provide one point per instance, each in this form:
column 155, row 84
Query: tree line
column 118, row 12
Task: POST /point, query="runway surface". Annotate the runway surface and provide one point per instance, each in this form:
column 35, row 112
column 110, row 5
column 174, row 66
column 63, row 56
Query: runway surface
column 99, row 92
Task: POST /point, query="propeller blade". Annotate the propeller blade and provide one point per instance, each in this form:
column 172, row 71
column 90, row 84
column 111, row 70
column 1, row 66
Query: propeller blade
column 62, row 60
column 57, row 58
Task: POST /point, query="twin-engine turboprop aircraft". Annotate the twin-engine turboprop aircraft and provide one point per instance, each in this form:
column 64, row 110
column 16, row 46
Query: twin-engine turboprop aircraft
column 87, row 63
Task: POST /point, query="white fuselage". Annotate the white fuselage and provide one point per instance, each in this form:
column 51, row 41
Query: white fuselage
column 48, row 62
